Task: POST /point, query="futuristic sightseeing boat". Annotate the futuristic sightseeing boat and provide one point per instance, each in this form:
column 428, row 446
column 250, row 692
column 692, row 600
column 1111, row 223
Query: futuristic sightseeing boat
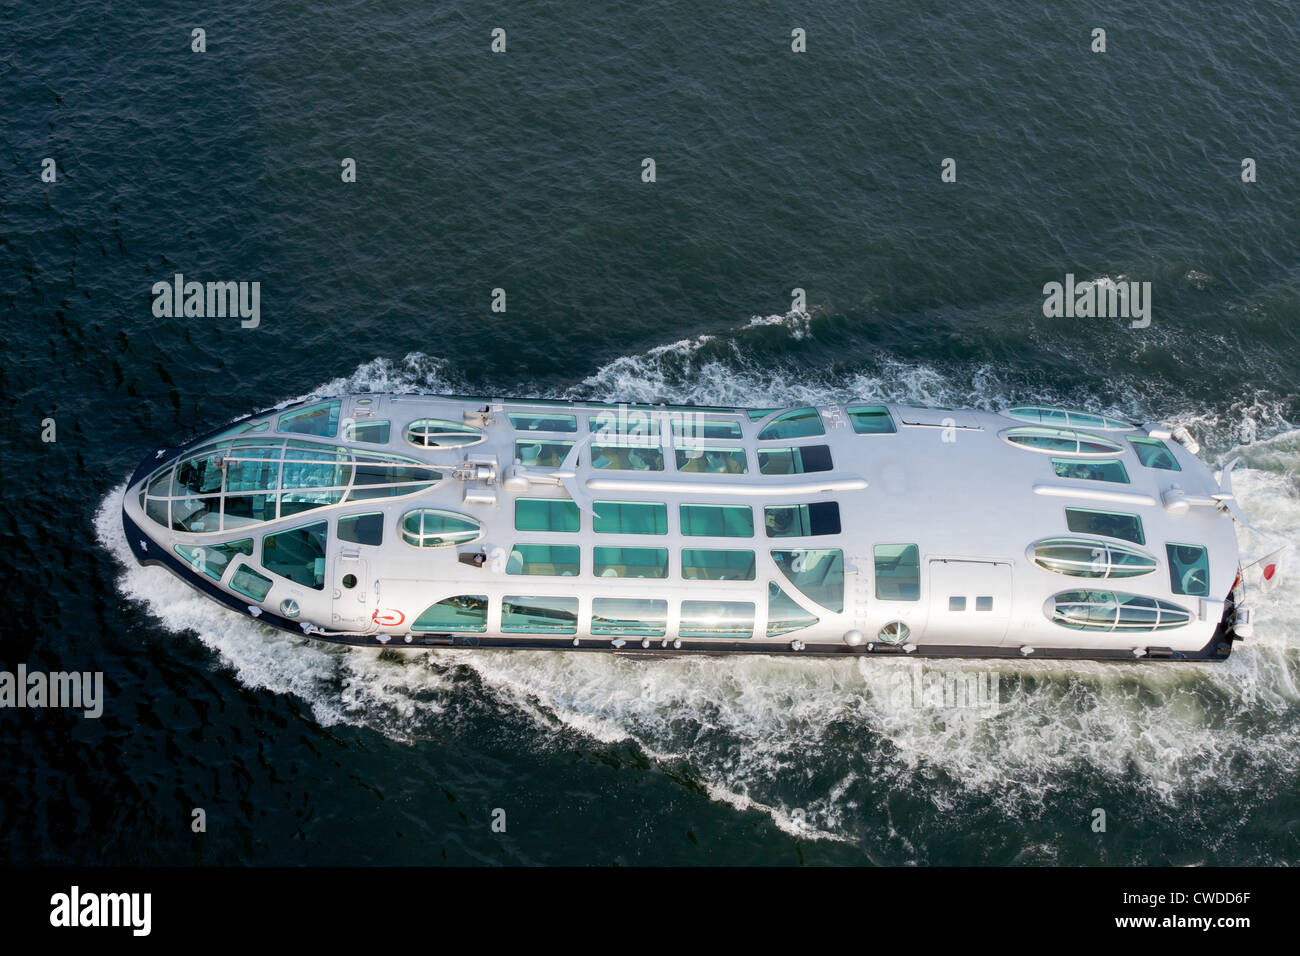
column 424, row 521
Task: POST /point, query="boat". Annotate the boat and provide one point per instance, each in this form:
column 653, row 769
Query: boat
column 420, row 521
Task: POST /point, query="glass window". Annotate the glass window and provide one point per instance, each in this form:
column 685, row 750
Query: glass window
column 758, row 414
column 717, row 521
column 630, row 517
column 546, row 514
column 196, row 514
column 783, row 614
column 797, row 521
column 542, row 454
column 321, row 420
column 818, row 574
column 734, row 619
column 543, row 423
column 312, row 476
column 157, row 510
column 984, row 603
column 298, row 554
column 871, row 420
column 1063, row 416
column 387, row 476
column 898, row 572
column 249, row 583
column 202, row 474
column 1189, row 569
column 1090, row 470
column 464, row 612
column 549, row 559
column 372, row 433
column 1155, row 454
column 712, row 460
column 212, row 559
column 1114, row 611
column 628, row 457
column 1107, row 523
column 794, row 461
column 438, row 433
column 539, row 615
column 362, row 529
column 1062, row 441
column 699, row 564
column 1085, row 558
column 428, row 528
column 796, row 423
column 956, row 604
column 625, row 425
column 630, row 562
column 696, row 427
column 634, row 617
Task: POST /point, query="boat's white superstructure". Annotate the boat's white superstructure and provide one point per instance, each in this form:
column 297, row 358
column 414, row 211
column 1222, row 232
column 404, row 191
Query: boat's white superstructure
column 406, row 520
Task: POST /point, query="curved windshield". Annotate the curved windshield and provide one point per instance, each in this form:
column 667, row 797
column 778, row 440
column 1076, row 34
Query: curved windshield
column 797, row 423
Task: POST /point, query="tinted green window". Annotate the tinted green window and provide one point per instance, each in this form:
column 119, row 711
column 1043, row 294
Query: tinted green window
column 1061, row 440
column 362, row 529
column 1155, row 454
column 542, row 454
column 636, row 617
column 733, row 619
column 322, row 420
column 630, row 562
column 373, row 433
column 758, row 414
column 1063, row 416
column 630, row 517
column 628, row 457
column 1086, row 558
column 817, row 573
column 1090, row 470
column 1115, row 611
column 438, row 433
column 539, row 615
column 625, row 425
column 871, row 419
column 298, row 554
column 783, row 614
column 249, row 583
column 312, row 476
column 196, row 514
column 387, row 476
column 546, row 514
column 548, row 559
column 797, row 521
column 712, row 460
column 794, row 461
column 429, row 528
column 1107, row 523
column 544, row 423
column 1189, row 569
column 798, row 423
column 465, row 612
column 700, row 564
column 717, row 521
column 898, row 572
column 694, row 428
column 212, row 559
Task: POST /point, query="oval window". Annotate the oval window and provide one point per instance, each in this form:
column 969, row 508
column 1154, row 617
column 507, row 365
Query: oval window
column 1113, row 611
column 428, row 528
column 1042, row 415
column 437, row 433
column 1085, row 558
column 1062, row 441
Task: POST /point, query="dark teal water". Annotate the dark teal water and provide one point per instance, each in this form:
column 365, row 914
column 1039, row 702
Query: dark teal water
column 521, row 171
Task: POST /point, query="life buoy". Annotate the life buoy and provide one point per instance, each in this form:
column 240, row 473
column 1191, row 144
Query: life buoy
column 387, row 617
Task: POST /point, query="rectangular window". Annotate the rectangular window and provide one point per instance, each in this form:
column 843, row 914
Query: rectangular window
column 871, row 420
column 984, row 603
column 1090, row 470
column 539, row 615
column 362, row 529
column 544, row 423
column 1154, row 454
column 693, row 428
column 628, row 457
column 717, row 521
column 798, row 521
column 542, row 454
column 625, row 425
column 631, row 562
column 699, row 564
column 629, row 617
column 1189, row 569
column 550, row 559
column 370, row 432
column 818, row 573
column 212, row 559
column 630, row 517
column 249, row 583
column 298, row 554
column 794, row 461
column 733, row 619
column 898, row 572
column 956, row 604
column 1109, row 524
column 546, row 514
column 712, row 460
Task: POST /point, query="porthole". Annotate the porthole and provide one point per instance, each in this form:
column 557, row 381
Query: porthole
column 289, row 607
column 349, row 581
column 895, row 632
